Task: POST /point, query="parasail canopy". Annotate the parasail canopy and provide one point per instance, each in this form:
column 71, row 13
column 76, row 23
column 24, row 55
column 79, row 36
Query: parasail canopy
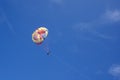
column 39, row 35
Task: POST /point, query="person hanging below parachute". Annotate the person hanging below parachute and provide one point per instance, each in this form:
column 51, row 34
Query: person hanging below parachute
column 39, row 35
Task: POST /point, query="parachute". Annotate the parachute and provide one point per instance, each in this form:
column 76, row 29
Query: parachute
column 39, row 35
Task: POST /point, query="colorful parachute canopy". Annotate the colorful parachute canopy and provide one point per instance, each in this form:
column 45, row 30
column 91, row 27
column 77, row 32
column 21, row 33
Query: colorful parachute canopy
column 39, row 35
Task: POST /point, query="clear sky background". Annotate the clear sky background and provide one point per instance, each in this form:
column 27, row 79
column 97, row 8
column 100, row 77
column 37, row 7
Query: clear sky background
column 84, row 39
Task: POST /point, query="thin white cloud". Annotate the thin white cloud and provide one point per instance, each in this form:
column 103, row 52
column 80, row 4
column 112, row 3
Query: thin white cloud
column 112, row 15
column 4, row 19
column 94, row 27
column 115, row 71
column 90, row 30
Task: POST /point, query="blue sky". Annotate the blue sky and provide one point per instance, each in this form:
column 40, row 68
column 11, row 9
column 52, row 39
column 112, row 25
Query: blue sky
column 83, row 37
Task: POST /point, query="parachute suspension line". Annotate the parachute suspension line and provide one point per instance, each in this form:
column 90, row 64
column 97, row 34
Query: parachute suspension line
column 46, row 48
